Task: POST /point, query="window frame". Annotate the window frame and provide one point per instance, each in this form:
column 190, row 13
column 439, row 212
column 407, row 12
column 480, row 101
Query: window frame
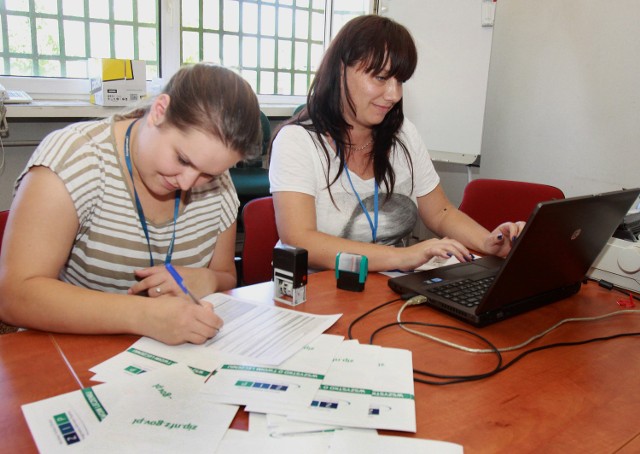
column 56, row 89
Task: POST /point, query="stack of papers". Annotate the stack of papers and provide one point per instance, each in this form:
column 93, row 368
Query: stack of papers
column 330, row 383
column 304, row 389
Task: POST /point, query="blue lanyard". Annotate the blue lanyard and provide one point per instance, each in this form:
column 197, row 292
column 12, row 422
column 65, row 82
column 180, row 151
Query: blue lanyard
column 143, row 220
column 373, row 224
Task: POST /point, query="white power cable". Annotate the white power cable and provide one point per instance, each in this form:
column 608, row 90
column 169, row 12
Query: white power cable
column 503, row 349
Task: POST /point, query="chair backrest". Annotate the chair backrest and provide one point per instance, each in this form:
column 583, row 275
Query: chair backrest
column 266, row 132
column 260, row 237
column 250, row 178
column 265, row 125
column 492, row 202
column 4, row 215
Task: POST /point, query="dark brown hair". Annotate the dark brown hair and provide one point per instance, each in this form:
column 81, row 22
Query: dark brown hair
column 371, row 42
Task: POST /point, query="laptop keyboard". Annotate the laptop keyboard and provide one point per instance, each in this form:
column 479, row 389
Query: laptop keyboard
column 466, row 292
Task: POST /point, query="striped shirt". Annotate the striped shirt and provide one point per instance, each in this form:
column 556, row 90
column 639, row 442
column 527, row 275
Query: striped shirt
column 110, row 243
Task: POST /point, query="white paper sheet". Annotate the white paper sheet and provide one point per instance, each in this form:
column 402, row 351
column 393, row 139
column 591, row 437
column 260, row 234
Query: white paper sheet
column 348, row 442
column 288, row 387
column 192, row 424
column 385, row 387
column 257, row 439
column 393, row 404
column 255, row 333
column 433, row 262
column 280, row 426
column 61, row 423
column 158, row 410
column 264, row 334
column 239, row 441
column 344, row 397
column 131, row 363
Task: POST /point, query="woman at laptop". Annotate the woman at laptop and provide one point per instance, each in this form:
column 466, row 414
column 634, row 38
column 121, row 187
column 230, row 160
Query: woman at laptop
column 103, row 206
column 350, row 173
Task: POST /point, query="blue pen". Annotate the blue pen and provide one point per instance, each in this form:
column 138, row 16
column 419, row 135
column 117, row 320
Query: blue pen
column 179, row 281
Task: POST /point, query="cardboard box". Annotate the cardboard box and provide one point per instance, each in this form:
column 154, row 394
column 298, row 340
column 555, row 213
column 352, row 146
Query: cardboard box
column 117, row 82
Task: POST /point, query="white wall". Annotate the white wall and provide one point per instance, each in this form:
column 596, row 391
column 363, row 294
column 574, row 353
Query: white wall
column 563, row 100
column 445, row 97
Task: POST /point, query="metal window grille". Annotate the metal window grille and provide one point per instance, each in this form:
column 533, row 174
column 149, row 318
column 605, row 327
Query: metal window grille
column 275, row 44
column 54, row 38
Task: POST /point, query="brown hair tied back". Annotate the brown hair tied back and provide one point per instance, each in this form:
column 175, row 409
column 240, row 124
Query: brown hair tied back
column 217, row 101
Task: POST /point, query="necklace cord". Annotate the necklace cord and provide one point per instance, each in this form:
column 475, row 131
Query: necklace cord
column 363, row 146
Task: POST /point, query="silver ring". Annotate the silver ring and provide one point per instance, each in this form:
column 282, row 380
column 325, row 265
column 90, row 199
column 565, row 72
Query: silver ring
column 158, row 290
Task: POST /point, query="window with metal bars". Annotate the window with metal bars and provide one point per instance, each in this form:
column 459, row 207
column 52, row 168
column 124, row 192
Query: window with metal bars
column 275, row 44
column 54, row 38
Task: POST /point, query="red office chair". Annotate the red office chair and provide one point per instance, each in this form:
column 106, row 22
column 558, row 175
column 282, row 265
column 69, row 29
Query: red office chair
column 260, row 237
column 4, row 215
column 492, row 202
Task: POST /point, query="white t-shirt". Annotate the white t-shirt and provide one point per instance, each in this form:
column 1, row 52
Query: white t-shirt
column 298, row 164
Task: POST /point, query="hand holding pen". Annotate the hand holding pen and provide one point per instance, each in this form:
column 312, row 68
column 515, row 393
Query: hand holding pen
column 180, row 281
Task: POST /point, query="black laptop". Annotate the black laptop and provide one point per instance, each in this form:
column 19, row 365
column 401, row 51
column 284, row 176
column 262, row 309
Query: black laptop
column 548, row 262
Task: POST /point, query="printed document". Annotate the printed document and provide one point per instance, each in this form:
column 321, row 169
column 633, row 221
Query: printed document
column 253, row 332
column 158, row 412
column 367, row 387
column 290, row 386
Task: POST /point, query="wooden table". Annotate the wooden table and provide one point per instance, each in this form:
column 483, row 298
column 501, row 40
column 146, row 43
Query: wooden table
column 569, row 399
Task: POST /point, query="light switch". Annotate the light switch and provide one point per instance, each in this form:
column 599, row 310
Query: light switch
column 487, row 12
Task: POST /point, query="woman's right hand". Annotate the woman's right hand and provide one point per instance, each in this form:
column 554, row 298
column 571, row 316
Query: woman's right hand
column 176, row 320
column 418, row 254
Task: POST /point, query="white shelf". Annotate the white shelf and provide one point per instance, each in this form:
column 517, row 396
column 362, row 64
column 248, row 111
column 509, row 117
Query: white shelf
column 59, row 109
column 84, row 109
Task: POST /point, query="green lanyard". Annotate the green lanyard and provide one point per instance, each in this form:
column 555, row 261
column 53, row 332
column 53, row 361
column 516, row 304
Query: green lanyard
column 143, row 220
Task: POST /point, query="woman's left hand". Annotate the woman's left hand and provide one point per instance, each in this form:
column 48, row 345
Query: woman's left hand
column 500, row 241
column 155, row 281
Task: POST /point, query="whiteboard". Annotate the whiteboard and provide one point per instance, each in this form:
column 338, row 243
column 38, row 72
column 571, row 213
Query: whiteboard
column 563, row 98
column 445, row 98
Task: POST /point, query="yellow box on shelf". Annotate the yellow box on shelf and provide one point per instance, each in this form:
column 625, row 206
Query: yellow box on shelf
column 117, row 82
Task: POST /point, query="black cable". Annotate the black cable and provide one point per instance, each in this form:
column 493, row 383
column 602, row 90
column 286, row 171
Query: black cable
column 522, row 355
column 455, row 378
column 352, row 324
column 566, row 344
column 610, row 286
column 452, row 379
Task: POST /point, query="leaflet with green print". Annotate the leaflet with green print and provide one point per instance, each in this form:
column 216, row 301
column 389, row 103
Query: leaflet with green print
column 159, row 411
column 367, row 386
column 275, row 389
